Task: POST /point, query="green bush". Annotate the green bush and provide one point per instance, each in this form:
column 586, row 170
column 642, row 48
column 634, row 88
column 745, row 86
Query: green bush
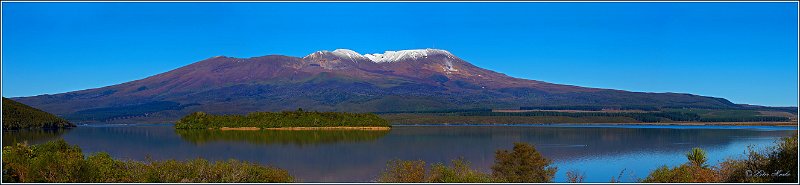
column 736, row 170
column 201, row 170
column 574, row 176
column 665, row 174
column 59, row 162
column 686, row 173
column 756, row 167
column 460, row 171
column 55, row 161
column 404, row 171
column 695, row 170
column 523, row 164
column 780, row 159
column 300, row 118
column 784, row 158
column 697, row 157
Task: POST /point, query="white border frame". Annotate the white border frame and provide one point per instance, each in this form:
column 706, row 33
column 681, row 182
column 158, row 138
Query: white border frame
column 797, row 4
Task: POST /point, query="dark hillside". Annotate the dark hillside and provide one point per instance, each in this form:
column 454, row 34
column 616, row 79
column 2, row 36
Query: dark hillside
column 20, row 116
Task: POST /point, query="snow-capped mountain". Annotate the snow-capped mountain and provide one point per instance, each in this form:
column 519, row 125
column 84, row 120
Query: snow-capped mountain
column 388, row 56
column 338, row 80
column 394, row 56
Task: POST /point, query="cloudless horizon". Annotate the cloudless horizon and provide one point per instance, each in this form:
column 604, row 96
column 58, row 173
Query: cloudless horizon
column 743, row 52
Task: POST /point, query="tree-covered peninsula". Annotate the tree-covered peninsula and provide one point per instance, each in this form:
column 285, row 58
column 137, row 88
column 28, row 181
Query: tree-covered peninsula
column 286, row 119
column 20, row 116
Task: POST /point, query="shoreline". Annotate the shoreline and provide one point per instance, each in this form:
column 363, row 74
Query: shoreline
column 782, row 124
column 236, row 128
column 404, row 119
column 777, row 124
column 330, row 128
column 305, row 128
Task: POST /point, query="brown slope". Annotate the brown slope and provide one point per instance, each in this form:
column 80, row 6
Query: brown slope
column 330, row 81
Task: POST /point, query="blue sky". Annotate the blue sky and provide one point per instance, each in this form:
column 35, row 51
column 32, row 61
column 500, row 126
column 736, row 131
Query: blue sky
column 744, row 52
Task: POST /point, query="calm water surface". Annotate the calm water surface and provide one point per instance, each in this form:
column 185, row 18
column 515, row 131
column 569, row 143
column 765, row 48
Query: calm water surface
column 600, row 151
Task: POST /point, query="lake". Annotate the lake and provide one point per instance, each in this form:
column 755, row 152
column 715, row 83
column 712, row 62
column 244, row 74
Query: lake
column 600, row 151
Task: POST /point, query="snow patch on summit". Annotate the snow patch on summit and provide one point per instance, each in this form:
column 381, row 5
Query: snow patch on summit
column 394, row 56
column 388, row 56
column 348, row 54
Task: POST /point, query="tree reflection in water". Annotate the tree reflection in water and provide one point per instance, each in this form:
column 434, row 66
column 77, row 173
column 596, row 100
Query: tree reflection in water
column 31, row 136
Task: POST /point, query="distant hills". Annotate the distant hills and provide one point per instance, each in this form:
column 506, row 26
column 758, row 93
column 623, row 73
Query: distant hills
column 21, row 116
column 342, row 80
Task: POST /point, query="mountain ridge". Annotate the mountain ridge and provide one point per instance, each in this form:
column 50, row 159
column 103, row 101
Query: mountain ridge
column 339, row 80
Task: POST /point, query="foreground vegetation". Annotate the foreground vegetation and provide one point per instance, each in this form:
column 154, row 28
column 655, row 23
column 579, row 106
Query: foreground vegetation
column 299, row 118
column 59, row 162
column 522, row 164
column 20, row 116
column 776, row 164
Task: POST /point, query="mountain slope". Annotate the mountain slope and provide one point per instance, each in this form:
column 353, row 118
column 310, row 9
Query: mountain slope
column 20, row 116
column 339, row 80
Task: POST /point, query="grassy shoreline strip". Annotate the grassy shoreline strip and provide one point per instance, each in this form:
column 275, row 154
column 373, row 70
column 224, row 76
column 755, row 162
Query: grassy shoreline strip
column 306, row 128
column 331, row 128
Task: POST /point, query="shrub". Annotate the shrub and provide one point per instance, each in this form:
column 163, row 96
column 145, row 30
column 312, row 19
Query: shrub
column 404, row 171
column 784, row 159
column 59, row 162
column 767, row 166
column 736, row 170
column 55, row 161
column 686, row 173
column 695, row 170
column 103, row 168
column 460, row 171
column 618, row 179
column 759, row 166
column 415, row 171
column 523, row 164
column 573, row 176
column 697, row 157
